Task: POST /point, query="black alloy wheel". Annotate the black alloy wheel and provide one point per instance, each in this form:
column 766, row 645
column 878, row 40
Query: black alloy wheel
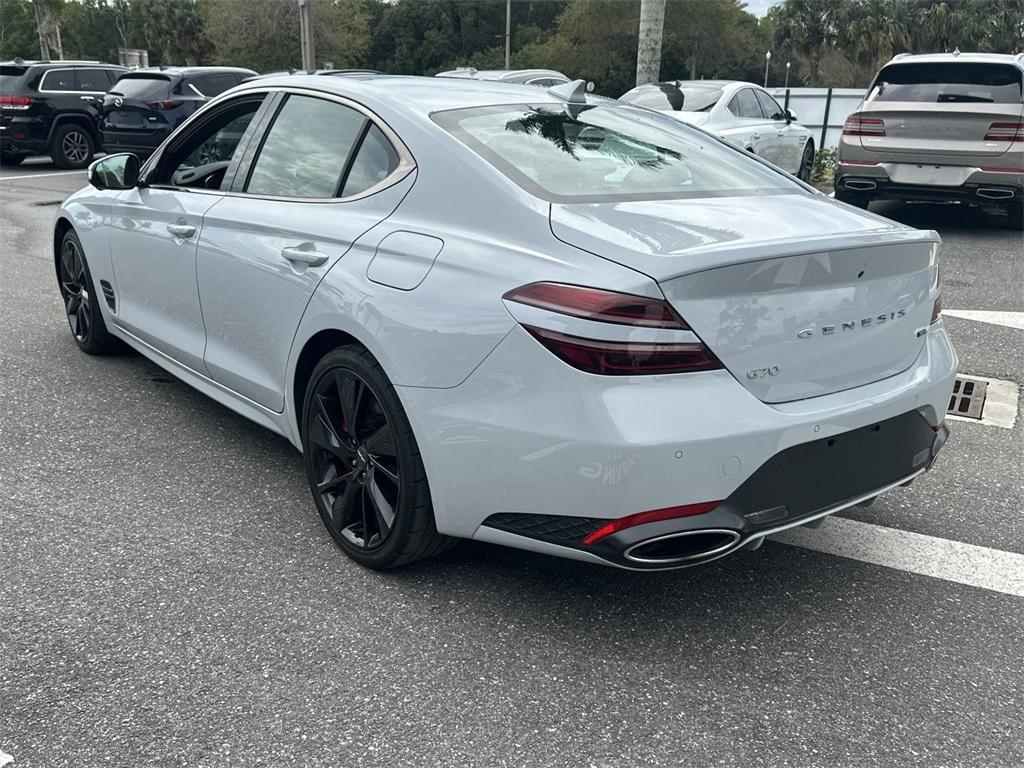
column 80, row 303
column 363, row 465
column 74, row 287
column 807, row 163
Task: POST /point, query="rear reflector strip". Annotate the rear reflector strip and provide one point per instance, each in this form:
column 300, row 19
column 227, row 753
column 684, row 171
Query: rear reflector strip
column 1000, row 169
column 858, row 162
column 653, row 516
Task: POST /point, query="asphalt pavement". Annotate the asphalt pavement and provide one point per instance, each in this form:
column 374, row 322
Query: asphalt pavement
column 168, row 596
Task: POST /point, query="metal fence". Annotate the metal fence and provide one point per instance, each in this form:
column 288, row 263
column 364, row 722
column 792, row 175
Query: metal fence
column 822, row 110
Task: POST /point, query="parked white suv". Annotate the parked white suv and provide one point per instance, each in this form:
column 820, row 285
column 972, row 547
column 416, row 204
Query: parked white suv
column 942, row 127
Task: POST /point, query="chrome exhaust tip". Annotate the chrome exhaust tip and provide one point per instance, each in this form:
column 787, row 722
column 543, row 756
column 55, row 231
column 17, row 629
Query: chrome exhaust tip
column 683, row 547
column 860, row 185
column 991, row 193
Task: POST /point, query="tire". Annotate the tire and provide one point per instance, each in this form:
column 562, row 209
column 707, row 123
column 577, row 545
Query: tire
column 859, row 199
column 1015, row 215
column 72, row 146
column 81, row 303
column 11, row 160
column 364, row 466
column 807, row 163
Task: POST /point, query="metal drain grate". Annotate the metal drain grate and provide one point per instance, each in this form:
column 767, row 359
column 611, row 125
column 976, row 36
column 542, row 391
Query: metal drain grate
column 968, row 398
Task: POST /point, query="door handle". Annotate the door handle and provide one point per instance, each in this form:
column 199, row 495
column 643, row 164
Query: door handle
column 181, row 230
column 304, row 253
column 87, row 98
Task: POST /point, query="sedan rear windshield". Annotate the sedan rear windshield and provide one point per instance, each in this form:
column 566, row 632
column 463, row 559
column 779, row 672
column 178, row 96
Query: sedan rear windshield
column 142, row 86
column 608, row 153
column 672, row 97
column 948, row 82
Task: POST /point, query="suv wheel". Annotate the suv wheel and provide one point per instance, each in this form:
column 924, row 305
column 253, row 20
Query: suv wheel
column 10, row 160
column 859, row 199
column 72, row 146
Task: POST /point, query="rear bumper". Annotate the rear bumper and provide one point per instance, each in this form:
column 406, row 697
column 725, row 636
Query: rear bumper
column 23, row 135
column 530, row 453
column 892, row 181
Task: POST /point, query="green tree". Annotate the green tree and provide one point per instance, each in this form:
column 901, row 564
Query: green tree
column 18, row 36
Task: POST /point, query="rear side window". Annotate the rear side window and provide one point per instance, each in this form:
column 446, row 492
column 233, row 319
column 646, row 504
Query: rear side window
column 608, row 154
column 143, row 87
column 948, row 83
column 306, row 149
column 744, row 104
column 376, row 160
column 58, row 80
column 217, row 84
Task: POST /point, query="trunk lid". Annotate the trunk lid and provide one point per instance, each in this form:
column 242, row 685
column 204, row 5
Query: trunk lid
column 126, row 105
column 798, row 296
column 943, row 110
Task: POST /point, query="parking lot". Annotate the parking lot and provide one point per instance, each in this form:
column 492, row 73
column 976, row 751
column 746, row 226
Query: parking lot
column 169, row 596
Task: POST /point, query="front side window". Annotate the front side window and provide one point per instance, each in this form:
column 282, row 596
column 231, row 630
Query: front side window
column 948, row 82
column 770, row 106
column 306, row 150
column 92, row 80
column 604, row 153
column 202, row 157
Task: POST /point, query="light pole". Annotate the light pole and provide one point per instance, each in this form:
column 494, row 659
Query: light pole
column 306, row 36
column 767, row 59
column 787, row 75
column 508, row 34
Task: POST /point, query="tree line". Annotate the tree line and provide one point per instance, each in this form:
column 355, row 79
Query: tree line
column 827, row 42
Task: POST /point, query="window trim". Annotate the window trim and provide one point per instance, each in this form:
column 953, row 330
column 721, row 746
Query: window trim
column 272, row 101
column 406, row 162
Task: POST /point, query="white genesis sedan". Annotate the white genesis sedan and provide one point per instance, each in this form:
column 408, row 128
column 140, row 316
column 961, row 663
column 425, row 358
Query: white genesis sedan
column 535, row 318
column 741, row 113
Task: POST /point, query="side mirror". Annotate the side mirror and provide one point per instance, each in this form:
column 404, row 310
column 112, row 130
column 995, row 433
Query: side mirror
column 790, row 115
column 119, row 171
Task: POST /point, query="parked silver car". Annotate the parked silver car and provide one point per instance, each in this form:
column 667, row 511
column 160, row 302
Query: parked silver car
column 741, row 113
column 942, row 127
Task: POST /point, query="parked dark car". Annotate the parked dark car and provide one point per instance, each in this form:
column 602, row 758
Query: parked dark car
column 143, row 107
column 50, row 108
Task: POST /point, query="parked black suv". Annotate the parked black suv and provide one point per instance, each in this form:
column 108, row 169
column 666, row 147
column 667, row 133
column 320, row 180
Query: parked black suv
column 144, row 106
column 50, row 108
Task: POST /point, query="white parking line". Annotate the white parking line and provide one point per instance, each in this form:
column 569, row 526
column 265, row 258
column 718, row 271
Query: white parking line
column 1009, row 319
column 955, row 561
column 37, row 175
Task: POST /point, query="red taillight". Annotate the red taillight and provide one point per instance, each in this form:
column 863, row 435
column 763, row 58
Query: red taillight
column 597, row 304
column 1003, row 169
column 163, row 106
column 653, row 516
column 625, row 358
column 15, row 102
column 1005, row 132
column 936, row 309
column 864, row 126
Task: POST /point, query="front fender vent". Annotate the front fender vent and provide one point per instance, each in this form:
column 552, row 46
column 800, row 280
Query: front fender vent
column 108, row 294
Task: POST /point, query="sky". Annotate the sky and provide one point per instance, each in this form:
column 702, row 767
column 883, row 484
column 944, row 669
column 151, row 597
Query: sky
column 760, row 7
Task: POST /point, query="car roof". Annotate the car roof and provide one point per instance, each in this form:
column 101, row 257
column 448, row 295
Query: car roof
column 185, row 71
column 934, row 58
column 412, row 94
column 697, row 84
column 64, row 63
